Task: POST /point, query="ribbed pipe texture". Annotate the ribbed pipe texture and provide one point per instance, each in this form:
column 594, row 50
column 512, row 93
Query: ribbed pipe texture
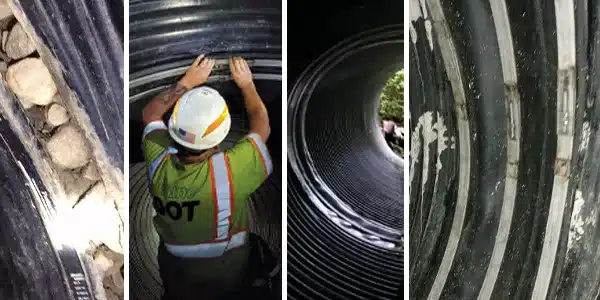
column 345, row 186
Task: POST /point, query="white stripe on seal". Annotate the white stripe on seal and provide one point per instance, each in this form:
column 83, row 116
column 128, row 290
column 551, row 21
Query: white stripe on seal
column 222, row 187
column 566, row 86
column 154, row 125
column 453, row 71
column 513, row 104
column 208, row 250
column 264, row 151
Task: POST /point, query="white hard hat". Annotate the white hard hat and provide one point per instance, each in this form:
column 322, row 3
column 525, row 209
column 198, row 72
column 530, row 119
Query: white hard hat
column 200, row 119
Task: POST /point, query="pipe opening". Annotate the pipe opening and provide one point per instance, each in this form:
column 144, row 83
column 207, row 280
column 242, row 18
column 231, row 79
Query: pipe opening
column 391, row 111
column 336, row 143
column 345, row 185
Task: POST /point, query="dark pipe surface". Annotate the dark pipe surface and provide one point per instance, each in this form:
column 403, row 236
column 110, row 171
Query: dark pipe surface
column 434, row 203
column 345, row 186
column 166, row 36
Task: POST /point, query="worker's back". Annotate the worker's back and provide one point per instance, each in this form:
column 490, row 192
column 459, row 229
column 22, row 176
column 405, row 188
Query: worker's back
column 201, row 208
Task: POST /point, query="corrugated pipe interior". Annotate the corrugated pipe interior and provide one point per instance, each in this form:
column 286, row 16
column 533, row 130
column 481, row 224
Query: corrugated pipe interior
column 345, row 185
column 165, row 37
column 505, row 150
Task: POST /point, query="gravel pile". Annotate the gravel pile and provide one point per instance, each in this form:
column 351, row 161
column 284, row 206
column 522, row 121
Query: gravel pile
column 29, row 79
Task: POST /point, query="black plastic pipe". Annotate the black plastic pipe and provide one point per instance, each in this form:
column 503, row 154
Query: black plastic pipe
column 89, row 50
column 504, row 150
column 165, row 37
column 345, row 195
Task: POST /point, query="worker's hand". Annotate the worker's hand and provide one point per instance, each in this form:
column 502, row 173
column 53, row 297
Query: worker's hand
column 198, row 72
column 240, row 72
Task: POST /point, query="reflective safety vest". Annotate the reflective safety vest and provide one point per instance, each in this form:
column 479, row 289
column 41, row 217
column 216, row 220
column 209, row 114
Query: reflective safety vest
column 201, row 208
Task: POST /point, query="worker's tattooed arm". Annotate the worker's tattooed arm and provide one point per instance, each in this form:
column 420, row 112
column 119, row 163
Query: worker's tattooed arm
column 162, row 102
column 197, row 74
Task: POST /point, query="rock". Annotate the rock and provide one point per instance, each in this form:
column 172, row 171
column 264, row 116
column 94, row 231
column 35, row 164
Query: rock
column 117, row 280
column 57, row 99
column 3, row 67
column 5, row 11
column 35, row 115
column 110, row 295
column 4, row 39
column 75, row 186
column 57, row 115
column 68, row 148
column 31, row 81
column 91, row 172
column 108, row 261
column 27, row 104
column 18, row 44
column 102, row 262
column 102, row 222
column 97, row 194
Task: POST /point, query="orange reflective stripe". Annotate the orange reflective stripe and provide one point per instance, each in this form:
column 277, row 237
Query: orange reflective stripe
column 262, row 159
column 217, row 122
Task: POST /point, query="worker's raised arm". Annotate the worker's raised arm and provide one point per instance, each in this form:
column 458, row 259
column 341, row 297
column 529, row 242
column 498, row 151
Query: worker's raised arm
column 196, row 75
column 257, row 112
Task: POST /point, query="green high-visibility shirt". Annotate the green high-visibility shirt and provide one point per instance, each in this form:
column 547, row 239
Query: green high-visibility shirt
column 184, row 194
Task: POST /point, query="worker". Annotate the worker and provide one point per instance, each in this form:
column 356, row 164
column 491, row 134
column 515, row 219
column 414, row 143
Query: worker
column 388, row 131
column 199, row 192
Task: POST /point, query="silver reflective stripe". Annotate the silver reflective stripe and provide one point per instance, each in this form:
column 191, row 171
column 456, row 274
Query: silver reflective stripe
column 208, row 250
column 222, row 187
column 264, row 152
column 154, row 125
column 155, row 163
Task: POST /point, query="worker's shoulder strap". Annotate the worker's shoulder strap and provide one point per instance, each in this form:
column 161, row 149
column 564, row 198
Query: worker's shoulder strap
column 263, row 151
column 222, row 188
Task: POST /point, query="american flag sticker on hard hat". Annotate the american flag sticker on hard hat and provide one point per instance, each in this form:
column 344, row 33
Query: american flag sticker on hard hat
column 186, row 136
